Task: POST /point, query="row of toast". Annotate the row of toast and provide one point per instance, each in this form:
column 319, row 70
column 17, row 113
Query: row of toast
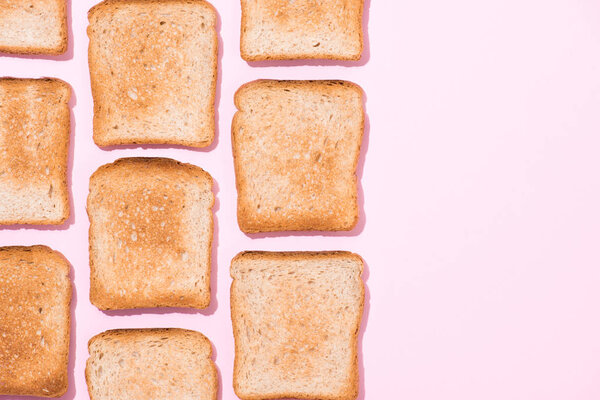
column 153, row 63
column 296, row 319
column 296, row 146
column 270, row 29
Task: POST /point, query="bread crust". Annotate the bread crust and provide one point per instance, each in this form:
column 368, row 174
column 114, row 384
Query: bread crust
column 279, row 260
column 340, row 212
column 154, row 219
column 130, row 336
column 196, row 136
column 54, row 152
column 293, row 256
column 280, row 13
column 59, row 48
column 34, row 360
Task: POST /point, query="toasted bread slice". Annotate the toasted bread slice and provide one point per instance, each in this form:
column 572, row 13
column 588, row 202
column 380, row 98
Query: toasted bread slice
column 296, row 146
column 296, row 318
column 33, row 26
column 151, row 364
column 151, row 229
column 35, row 297
column 153, row 67
column 34, row 151
column 301, row 29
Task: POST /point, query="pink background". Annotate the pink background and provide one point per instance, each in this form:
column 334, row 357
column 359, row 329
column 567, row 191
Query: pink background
column 480, row 173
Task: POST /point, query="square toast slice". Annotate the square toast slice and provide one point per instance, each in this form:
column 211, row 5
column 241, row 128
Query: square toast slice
column 153, row 68
column 296, row 318
column 296, row 146
column 34, row 151
column 33, row 26
column 151, row 364
column 301, row 29
column 151, row 229
column 35, row 297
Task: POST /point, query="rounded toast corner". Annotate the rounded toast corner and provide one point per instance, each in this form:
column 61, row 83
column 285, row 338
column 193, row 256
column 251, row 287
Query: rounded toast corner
column 62, row 49
column 197, row 144
column 92, row 340
column 359, row 260
column 96, row 298
column 203, row 303
column 354, row 86
column 211, row 8
column 65, row 217
column 61, row 390
column 234, row 265
column 61, row 260
column 98, row 7
column 240, row 91
column 65, row 86
column 101, row 141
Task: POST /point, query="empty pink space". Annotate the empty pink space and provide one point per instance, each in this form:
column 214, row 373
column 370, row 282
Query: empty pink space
column 480, row 177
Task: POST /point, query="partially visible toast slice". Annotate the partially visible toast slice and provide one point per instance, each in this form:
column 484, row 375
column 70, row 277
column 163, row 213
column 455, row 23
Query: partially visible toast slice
column 151, row 364
column 153, row 67
column 301, row 29
column 296, row 318
column 296, row 146
column 33, row 26
column 35, row 296
column 151, row 229
column 34, row 151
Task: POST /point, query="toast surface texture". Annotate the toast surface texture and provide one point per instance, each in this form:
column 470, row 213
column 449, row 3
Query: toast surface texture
column 296, row 318
column 35, row 296
column 34, row 151
column 151, row 229
column 153, row 69
column 301, row 29
column 296, row 146
column 151, row 364
column 33, row 26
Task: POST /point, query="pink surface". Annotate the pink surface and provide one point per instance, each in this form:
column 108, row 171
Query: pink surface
column 480, row 174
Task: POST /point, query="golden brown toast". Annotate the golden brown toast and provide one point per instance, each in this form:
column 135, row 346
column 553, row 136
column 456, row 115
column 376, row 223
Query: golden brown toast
column 33, row 26
column 34, row 149
column 35, row 296
column 296, row 318
column 296, row 146
column 153, row 68
column 301, row 29
column 151, row 364
column 151, row 228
